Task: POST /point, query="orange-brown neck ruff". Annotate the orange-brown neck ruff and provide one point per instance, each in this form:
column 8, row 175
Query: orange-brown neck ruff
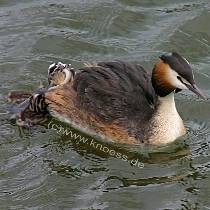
column 161, row 79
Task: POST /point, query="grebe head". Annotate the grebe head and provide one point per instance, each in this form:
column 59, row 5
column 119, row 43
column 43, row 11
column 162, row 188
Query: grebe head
column 172, row 73
column 60, row 73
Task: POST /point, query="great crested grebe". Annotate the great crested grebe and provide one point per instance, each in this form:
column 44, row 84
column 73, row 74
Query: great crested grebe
column 122, row 102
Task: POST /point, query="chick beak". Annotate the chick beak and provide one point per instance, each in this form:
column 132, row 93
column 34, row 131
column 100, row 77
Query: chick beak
column 196, row 90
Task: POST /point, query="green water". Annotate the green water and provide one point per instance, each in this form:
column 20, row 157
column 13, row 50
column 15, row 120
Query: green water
column 42, row 169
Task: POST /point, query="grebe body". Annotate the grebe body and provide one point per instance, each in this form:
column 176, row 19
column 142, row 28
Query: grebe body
column 122, row 102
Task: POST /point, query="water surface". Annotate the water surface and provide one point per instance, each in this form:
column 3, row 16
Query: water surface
column 43, row 169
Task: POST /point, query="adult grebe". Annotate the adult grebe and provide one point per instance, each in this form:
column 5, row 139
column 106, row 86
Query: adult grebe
column 121, row 102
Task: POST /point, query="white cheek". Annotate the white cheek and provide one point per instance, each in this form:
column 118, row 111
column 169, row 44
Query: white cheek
column 180, row 85
column 174, row 81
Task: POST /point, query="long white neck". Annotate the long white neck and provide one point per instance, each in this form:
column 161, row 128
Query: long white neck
column 167, row 125
column 167, row 104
